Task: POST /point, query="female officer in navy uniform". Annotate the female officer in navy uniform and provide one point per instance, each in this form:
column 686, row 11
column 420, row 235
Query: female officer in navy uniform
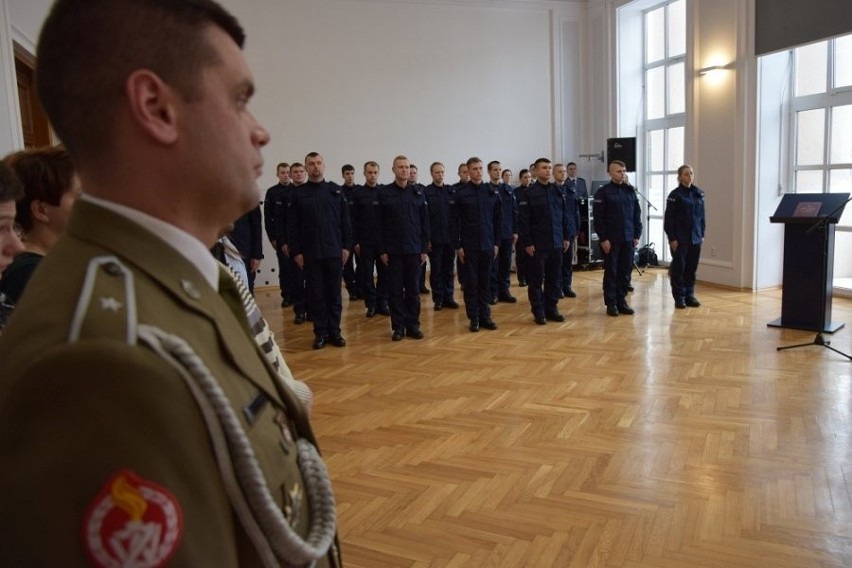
column 684, row 226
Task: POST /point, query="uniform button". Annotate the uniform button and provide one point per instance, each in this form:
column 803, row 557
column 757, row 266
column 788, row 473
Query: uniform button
column 113, row 269
column 190, row 289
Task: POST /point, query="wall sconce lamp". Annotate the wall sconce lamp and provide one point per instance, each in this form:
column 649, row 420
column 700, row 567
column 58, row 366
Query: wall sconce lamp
column 713, row 68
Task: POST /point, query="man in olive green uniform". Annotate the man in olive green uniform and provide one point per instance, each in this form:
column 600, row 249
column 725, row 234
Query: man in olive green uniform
column 140, row 423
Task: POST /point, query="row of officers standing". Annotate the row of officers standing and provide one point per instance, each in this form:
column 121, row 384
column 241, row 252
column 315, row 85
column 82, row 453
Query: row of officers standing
column 317, row 227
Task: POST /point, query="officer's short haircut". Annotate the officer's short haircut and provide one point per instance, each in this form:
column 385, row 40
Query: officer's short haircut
column 282, row 165
column 569, row 164
column 398, row 158
column 347, row 168
column 295, row 165
column 473, row 160
column 617, row 163
column 88, row 48
column 492, row 163
column 541, row 161
column 311, row 155
column 46, row 174
column 432, row 167
column 683, row 167
column 522, row 172
column 504, row 172
column 370, row 163
column 462, row 165
column 413, row 167
column 558, row 165
column 11, row 188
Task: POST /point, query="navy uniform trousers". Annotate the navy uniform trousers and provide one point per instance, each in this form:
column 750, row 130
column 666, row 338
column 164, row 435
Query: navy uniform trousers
column 477, row 288
column 404, row 285
column 544, row 269
column 618, row 265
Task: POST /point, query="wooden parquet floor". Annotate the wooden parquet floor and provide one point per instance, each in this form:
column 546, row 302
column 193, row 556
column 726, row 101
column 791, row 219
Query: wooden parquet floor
column 669, row 438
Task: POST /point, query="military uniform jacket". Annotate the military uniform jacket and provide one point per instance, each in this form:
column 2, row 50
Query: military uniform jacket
column 684, row 218
column 618, row 217
column 403, row 220
column 476, row 217
column 438, row 199
column 543, row 217
column 509, row 214
column 103, row 431
column 364, row 210
column 572, row 208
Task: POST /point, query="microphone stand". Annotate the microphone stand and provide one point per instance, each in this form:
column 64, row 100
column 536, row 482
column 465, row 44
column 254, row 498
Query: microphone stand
column 647, row 218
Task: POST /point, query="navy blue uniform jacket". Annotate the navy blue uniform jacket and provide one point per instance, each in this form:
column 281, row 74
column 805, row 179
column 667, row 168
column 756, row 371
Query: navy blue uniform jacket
column 403, row 220
column 438, row 199
column 684, row 219
column 365, row 212
column 318, row 224
column 543, row 217
column 476, row 216
column 247, row 234
column 618, row 217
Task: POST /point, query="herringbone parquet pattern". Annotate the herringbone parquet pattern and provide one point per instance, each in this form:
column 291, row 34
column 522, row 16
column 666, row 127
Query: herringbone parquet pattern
column 669, row 438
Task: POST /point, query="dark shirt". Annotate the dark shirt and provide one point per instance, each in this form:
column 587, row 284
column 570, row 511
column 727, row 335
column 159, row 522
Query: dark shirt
column 17, row 274
column 618, row 217
column 318, row 222
column 475, row 220
column 247, row 234
column 684, row 218
column 275, row 213
column 572, row 207
column 403, row 220
column 509, row 207
column 365, row 211
column 543, row 217
column 438, row 199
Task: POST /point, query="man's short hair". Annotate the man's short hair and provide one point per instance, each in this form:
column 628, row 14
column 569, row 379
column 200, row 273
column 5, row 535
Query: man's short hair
column 558, row 165
column 522, row 172
column 398, row 158
column 569, row 164
column 311, row 155
column 462, row 165
column 432, row 167
column 46, row 174
column 617, row 163
column 541, row 161
column 11, row 188
column 413, row 167
column 505, row 170
column 88, row 48
column 347, row 168
column 492, row 163
column 297, row 165
column 473, row 160
column 282, row 165
column 370, row 163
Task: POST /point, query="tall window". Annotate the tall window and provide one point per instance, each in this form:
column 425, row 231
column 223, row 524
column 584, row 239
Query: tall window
column 665, row 106
column 822, row 120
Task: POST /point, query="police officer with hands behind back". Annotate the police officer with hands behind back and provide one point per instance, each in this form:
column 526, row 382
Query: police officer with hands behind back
column 618, row 223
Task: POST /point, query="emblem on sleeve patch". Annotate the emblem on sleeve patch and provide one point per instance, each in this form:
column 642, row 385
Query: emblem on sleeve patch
column 132, row 522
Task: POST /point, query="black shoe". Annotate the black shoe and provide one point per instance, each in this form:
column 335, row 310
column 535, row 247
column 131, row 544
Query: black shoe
column 425, row 290
column 569, row 293
column 414, row 333
column 612, row 311
column 354, row 297
column 493, row 301
column 397, row 335
column 630, row 288
column 371, row 312
column 299, row 319
column 489, row 324
column 474, row 325
column 692, row 302
column 555, row 317
column 680, row 304
column 625, row 309
column 439, row 306
column 452, row 304
column 508, row 299
column 319, row 342
column 522, row 283
column 540, row 320
column 308, row 317
column 561, row 295
column 383, row 310
column 337, row 340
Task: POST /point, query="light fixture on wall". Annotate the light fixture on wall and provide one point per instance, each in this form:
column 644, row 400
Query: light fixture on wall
column 714, row 68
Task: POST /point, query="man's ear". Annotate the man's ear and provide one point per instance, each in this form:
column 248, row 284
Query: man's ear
column 152, row 105
column 38, row 210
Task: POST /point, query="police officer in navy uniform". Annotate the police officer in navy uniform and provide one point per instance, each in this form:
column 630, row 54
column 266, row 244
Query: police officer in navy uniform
column 320, row 239
column 569, row 188
column 501, row 271
column 404, row 231
column 618, row 223
column 350, row 278
column 442, row 253
column 475, row 229
column 275, row 221
column 365, row 228
column 544, row 236
column 524, row 182
column 684, row 226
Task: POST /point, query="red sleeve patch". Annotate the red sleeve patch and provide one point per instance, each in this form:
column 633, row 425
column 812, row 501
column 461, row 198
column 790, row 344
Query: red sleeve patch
column 132, row 522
